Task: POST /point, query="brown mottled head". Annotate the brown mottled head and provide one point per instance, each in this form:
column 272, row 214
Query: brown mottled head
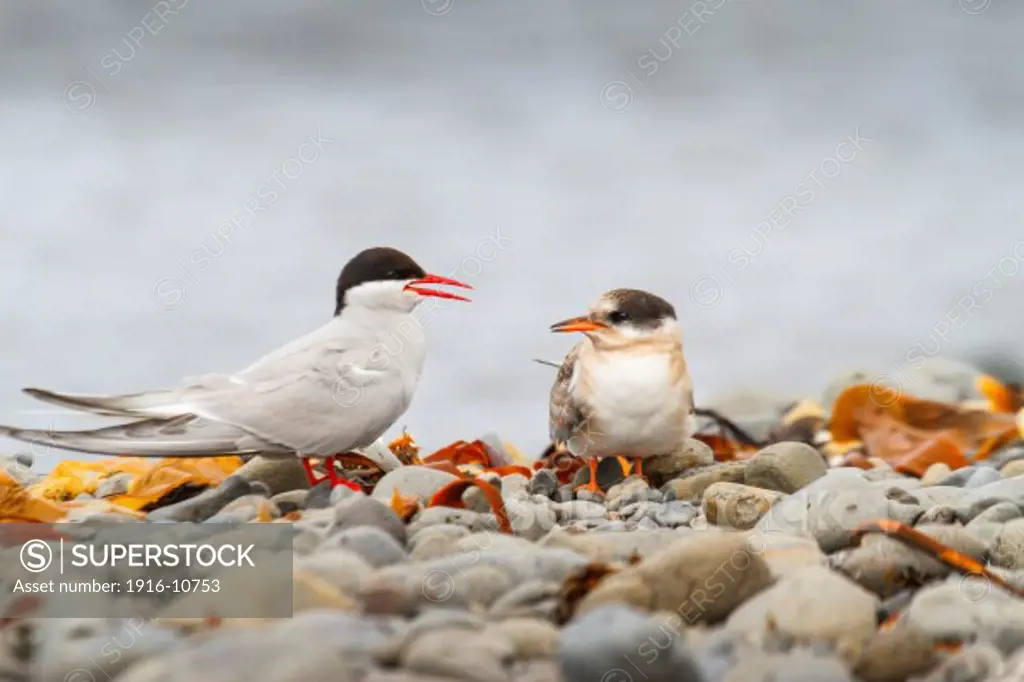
column 383, row 276
column 629, row 312
column 633, row 307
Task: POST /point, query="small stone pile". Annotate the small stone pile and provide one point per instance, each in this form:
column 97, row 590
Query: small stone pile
column 743, row 570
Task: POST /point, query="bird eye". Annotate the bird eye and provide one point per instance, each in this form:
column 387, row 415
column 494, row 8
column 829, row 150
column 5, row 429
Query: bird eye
column 617, row 316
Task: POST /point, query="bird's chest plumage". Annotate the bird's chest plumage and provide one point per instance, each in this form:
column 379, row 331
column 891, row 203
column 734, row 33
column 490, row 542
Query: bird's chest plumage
column 635, row 402
column 380, row 383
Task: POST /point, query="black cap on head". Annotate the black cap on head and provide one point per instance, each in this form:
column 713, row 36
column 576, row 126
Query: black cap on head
column 378, row 264
column 638, row 308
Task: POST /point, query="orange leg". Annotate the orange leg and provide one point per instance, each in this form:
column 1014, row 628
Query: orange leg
column 638, row 466
column 591, row 485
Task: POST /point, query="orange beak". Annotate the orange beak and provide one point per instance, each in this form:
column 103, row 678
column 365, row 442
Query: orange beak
column 578, row 324
column 437, row 279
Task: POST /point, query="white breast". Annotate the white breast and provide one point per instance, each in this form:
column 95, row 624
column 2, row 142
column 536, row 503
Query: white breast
column 638, row 409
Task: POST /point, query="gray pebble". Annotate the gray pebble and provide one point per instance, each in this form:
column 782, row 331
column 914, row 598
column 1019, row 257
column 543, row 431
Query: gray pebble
column 295, row 650
column 251, row 503
column 675, row 513
column 205, row 504
column 511, row 484
column 279, row 474
column 19, row 468
column 526, row 598
column 374, row 545
column 530, row 520
column 615, row 640
column 73, row 649
column 544, row 482
column 638, row 510
column 967, row 608
column 615, row 526
column 1007, row 455
column 1007, row 550
column 579, row 510
column 342, row 568
column 481, row 586
column 437, row 619
column 785, row 467
column 938, row 514
column 587, row 495
column 475, row 500
column 416, row 481
column 998, row 513
column 982, row 476
column 960, row 477
column 630, row 491
column 564, row 494
column 291, row 500
column 319, row 496
column 647, row 523
column 976, row 663
column 977, row 500
column 479, row 656
column 795, row 666
column 360, row 510
column 832, row 507
column 433, row 542
column 433, row 516
column 259, row 488
column 342, row 493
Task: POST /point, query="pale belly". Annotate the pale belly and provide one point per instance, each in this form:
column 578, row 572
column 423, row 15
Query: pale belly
column 637, row 410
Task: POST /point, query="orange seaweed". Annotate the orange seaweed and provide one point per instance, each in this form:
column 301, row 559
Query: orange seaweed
column 52, row 498
column 726, row 449
column 1005, row 398
column 404, row 506
column 164, row 476
column 460, row 453
column 405, row 449
column 938, row 450
column 892, row 424
column 446, row 467
column 512, row 469
column 964, row 563
column 451, row 496
column 355, row 459
column 562, row 462
column 579, row 584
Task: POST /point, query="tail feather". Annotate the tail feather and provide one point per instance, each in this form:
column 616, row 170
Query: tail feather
column 150, row 404
column 186, row 436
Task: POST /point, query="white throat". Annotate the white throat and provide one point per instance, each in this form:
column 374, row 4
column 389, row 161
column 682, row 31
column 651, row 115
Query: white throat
column 382, row 295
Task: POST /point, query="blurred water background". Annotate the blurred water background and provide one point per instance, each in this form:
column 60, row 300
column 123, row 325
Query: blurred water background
column 543, row 151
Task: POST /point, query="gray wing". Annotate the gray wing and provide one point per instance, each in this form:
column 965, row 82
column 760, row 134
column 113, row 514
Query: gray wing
column 186, row 436
column 318, row 396
column 564, row 413
column 322, row 393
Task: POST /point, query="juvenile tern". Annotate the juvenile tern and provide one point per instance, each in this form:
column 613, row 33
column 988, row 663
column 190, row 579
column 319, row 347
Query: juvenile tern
column 624, row 389
column 336, row 389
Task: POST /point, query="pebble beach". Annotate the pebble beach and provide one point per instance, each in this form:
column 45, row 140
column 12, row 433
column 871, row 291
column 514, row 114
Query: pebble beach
column 804, row 559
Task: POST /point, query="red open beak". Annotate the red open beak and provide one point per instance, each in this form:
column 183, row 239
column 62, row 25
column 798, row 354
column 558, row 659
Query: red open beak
column 437, row 279
column 578, row 324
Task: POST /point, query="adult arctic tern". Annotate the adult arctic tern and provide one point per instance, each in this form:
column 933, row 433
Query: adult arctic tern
column 336, row 389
